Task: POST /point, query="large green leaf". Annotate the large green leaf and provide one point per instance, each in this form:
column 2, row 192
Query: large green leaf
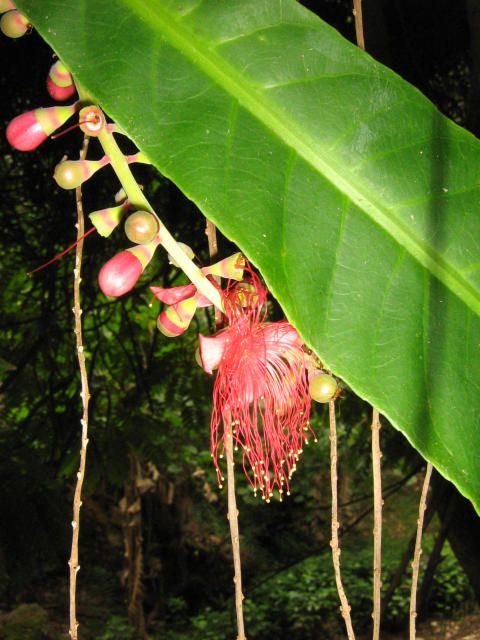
column 356, row 199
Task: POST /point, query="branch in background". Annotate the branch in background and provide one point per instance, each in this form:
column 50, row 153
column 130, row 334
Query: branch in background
column 408, row 553
column 377, row 523
column 357, row 12
column 345, row 607
column 436, row 554
column 387, row 493
column 85, row 395
column 418, row 552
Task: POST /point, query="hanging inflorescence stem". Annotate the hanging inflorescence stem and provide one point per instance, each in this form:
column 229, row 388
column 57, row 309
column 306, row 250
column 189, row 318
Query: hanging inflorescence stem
column 344, row 606
column 85, row 395
column 211, row 233
column 377, row 523
column 358, row 14
column 234, row 529
column 136, row 198
column 418, row 552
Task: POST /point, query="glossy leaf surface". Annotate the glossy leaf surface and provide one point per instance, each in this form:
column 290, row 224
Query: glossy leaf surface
column 355, row 198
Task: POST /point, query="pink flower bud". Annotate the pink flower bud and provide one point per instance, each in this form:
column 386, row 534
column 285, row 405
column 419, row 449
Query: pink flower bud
column 70, row 174
column 28, row 130
column 175, row 320
column 13, row 24
column 120, row 274
column 141, row 227
column 60, row 83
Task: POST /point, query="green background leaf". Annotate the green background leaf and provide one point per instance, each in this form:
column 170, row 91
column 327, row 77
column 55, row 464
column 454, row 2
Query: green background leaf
column 355, row 198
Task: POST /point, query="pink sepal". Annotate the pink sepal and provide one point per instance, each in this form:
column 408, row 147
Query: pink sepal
column 174, row 294
column 211, row 350
column 60, row 93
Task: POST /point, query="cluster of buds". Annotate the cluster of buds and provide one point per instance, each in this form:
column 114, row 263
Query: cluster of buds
column 265, row 378
column 29, row 130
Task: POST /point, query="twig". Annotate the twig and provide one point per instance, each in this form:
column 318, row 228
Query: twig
column 357, row 12
column 234, row 530
column 85, row 395
column 407, row 557
column 345, row 607
column 418, row 552
column 377, row 523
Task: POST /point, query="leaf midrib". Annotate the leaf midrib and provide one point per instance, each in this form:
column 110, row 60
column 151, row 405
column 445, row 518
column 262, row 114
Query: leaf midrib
column 227, row 77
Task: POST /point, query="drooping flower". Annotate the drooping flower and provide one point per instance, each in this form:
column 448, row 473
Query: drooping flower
column 261, row 389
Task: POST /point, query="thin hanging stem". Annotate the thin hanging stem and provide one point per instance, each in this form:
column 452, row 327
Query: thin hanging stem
column 234, row 529
column 211, row 233
column 377, row 523
column 357, row 12
column 344, row 606
column 85, row 395
column 418, row 552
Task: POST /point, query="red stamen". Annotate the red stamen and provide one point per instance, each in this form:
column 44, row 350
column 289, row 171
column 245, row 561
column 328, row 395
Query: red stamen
column 60, row 255
column 68, row 129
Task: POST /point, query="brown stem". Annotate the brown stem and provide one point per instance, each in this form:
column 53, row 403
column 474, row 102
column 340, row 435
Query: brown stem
column 344, row 606
column 211, row 233
column 418, row 552
column 85, row 395
column 407, row 557
column 234, row 530
column 357, row 12
column 377, row 523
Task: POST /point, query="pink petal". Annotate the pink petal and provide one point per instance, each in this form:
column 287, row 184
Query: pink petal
column 173, row 295
column 25, row 132
column 211, row 350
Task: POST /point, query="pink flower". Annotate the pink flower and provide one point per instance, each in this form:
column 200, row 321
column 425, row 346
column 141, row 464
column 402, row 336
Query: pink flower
column 261, row 389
